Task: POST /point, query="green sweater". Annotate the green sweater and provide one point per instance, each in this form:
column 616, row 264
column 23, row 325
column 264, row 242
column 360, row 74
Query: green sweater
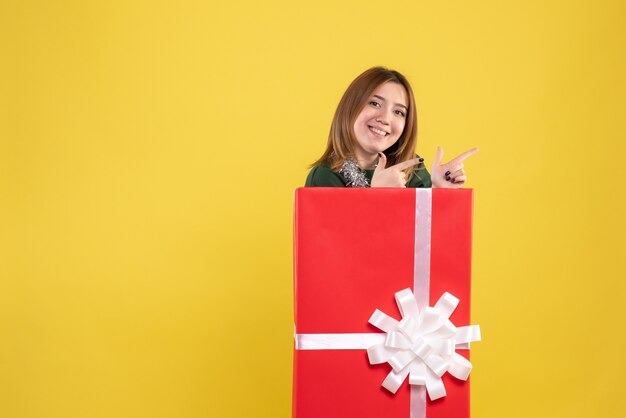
column 323, row 176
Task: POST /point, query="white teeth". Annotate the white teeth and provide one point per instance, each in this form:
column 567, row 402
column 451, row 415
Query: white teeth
column 378, row 131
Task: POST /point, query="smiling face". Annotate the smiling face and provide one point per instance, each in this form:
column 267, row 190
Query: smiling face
column 380, row 123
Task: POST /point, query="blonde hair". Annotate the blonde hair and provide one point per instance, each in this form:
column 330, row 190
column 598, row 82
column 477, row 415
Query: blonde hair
column 341, row 139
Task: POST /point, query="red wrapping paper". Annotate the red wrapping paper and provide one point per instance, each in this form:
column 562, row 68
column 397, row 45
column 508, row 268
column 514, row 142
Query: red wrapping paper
column 353, row 250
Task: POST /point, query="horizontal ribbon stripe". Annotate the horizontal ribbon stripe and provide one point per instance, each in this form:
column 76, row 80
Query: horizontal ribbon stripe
column 338, row 341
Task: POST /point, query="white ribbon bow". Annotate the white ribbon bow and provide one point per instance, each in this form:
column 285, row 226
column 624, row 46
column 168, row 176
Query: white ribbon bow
column 422, row 345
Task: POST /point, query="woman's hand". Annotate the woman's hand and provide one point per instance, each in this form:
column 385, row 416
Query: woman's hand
column 449, row 175
column 393, row 176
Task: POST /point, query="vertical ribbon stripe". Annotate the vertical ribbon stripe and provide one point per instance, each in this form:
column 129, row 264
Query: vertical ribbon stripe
column 421, row 259
column 421, row 277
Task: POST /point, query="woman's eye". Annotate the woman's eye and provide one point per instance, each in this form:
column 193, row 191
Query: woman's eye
column 375, row 103
column 400, row 113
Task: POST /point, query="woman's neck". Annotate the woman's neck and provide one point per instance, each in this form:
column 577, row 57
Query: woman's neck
column 366, row 161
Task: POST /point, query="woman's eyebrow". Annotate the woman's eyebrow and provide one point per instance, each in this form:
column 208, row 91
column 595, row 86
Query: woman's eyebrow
column 384, row 100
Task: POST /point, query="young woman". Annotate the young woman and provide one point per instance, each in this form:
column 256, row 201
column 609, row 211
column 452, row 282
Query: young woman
column 373, row 136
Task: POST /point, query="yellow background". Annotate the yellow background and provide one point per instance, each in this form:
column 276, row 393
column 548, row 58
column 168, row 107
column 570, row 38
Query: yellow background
column 148, row 155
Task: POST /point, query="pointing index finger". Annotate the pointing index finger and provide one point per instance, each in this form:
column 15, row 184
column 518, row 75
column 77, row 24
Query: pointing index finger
column 464, row 155
column 406, row 164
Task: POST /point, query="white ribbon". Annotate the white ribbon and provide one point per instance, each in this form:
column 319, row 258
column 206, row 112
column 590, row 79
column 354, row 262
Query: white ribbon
column 422, row 345
column 338, row 341
column 421, row 277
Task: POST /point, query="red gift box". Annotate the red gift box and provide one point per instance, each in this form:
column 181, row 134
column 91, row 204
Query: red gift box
column 354, row 249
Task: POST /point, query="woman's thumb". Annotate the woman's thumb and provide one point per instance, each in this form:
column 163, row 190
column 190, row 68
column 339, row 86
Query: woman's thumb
column 382, row 161
column 438, row 157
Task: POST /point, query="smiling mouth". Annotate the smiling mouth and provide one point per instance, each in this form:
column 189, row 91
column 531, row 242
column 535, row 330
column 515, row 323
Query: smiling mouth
column 377, row 131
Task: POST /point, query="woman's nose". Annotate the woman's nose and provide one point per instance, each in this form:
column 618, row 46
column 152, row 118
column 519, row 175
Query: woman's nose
column 386, row 114
column 383, row 117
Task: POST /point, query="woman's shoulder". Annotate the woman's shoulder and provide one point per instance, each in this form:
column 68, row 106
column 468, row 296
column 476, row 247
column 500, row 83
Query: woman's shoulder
column 323, row 176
